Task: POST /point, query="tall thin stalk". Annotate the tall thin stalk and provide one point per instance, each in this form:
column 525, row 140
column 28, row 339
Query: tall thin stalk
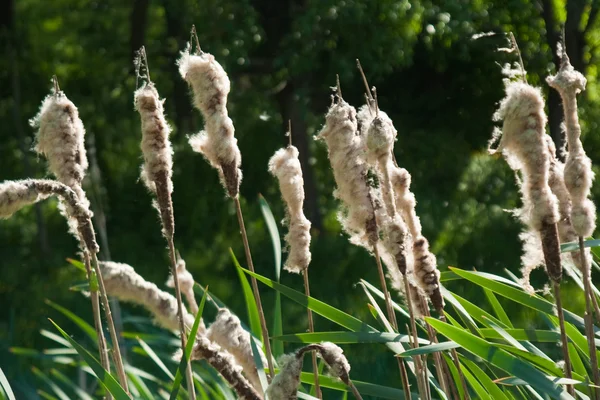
column 261, row 314
column 156, row 175
column 104, row 359
column 311, row 329
column 589, row 323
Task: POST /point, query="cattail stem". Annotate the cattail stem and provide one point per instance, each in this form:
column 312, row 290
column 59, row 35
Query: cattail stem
column 589, row 320
column 415, row 342
column 111, row 325
column 311, row 329
column 182, row 330
column 439, row 365
column 394, row 323
column 104, row 360
column 165, row 205
column 261, row 313
column 404, row 378
column 454, row 354
column 354, row 391
column 563, row 336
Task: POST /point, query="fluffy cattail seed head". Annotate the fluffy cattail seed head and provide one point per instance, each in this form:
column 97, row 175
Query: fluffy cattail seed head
column 578, row 174
column 285, row 165
column 217, row 142
column 122, row 282
column 60, row 138
column 15, row 195
column 186, row 284
column 285, row 384
column 380, row 138
column 334, row 356
column 228, row 333
column 156, row 147
column 346, row 155
column 524, row 146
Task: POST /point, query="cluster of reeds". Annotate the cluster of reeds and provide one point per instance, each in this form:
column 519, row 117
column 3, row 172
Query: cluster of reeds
column 377, row 212
column 555, row 204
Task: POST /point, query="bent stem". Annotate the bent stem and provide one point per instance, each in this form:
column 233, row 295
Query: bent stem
column 589, row 320
column 261, row 314
column 563, row 337
column 311, row 329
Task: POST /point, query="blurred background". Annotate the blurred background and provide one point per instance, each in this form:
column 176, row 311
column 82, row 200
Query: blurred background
column 438, row 82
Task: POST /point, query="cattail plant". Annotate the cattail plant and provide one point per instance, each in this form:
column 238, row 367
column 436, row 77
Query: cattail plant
column 285, row 165
column 524, row 146
column 186, row 284
column 357, row 217
column 578, row 177
column 226, row 365
column 217, row 143
column 123, row 283
column 156, row 175
column 379, row 134
column 60, row 138
column 227, row 332
column 285, row 384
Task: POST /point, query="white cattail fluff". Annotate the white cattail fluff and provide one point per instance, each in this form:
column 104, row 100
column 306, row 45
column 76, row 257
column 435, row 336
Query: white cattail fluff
column 566, row 232
column 424, row 271
column 346, row 155
column 578, row 174
column 524, row 146
column 186, row 285
column 285, row 165
column 228, row 333
column 15, row 195
column 285, row 384
column 210, row 85
column 156, row 147
column 60, row 138
column 122, row 282
column 225, row 364
column 334, row 356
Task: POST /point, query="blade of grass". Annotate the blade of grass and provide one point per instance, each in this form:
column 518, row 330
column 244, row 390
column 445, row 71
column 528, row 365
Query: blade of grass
column 87, row 328
column 104, row 378
column 500, row 358
column 276, row 242
column 498, row 309
column 150, row 353
column 343, row 337
column 494, row 391
column 188, row 349
column 251, row 306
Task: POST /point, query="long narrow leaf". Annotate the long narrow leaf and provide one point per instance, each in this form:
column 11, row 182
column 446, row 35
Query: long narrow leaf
column 500, row 358
column 188, row 349
column 251, row 306
column 104, row 378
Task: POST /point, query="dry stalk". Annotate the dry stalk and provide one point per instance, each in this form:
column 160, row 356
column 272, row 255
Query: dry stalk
column 261, row 314
column 311, row 329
